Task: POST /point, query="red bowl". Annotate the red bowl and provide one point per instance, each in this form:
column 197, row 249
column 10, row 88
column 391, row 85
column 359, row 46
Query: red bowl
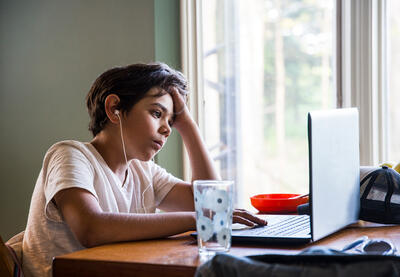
column 277, row 202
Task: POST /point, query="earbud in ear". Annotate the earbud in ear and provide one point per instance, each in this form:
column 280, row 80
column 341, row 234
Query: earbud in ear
column 116, row 112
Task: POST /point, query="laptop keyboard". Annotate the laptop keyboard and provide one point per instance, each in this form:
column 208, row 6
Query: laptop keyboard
column 285, row 227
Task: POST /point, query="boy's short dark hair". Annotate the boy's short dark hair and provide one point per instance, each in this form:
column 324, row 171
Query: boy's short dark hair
column 130, row 83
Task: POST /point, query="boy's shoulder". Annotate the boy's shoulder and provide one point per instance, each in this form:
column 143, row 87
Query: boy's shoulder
column 67, row 145
column 68, row 151
column 69, row 148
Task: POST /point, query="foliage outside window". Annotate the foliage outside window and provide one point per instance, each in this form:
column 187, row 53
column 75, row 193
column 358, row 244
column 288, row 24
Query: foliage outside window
column 266, row 63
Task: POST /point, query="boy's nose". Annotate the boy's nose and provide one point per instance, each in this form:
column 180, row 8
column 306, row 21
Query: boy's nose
column 165, row 130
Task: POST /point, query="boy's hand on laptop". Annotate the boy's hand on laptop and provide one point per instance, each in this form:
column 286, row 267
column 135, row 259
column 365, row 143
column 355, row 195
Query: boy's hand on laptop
column 245, row 217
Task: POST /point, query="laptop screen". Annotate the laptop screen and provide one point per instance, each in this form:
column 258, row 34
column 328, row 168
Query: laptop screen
column 334, row 170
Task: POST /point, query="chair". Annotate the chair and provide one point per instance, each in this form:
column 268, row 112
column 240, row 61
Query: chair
column 6, row 261
column 10, row 265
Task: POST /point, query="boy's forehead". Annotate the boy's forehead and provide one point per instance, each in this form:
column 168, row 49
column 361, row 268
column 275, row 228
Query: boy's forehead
column 158, row 95
column 154, row 91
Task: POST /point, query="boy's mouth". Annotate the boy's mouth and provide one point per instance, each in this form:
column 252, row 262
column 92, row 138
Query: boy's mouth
column 158, row 144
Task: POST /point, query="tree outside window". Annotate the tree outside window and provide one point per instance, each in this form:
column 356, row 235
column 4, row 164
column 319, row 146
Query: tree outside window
column 266, row 63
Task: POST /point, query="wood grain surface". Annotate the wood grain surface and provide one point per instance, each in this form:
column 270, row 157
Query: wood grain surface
column 178, row 255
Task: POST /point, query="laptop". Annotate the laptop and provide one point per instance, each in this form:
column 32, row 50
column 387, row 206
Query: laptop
column 334, row 184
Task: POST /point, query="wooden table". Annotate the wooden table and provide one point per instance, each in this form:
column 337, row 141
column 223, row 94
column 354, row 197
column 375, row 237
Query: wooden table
column 178, row 255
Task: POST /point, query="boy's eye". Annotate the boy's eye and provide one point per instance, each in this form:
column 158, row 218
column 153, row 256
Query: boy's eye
column 156, row 114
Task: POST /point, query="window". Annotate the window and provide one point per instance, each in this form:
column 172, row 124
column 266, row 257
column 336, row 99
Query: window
column 265, row 64
column 258, row 66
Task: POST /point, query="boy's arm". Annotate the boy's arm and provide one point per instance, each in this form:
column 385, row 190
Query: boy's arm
column 200, row 161
column 180, row 198
column 181, row 195
column 92, row 227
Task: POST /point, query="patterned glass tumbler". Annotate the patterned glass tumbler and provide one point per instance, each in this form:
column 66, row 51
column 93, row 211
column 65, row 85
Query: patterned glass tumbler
column 214, row 208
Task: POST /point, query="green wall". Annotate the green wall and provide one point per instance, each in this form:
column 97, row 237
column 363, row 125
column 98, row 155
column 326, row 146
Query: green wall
column 167, row 49
column 50, row 53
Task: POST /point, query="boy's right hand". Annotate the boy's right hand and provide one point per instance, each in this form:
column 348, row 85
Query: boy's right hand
column 181, row 111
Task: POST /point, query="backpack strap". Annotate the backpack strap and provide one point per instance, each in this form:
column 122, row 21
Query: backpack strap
column 374, row 174
column 389, row 193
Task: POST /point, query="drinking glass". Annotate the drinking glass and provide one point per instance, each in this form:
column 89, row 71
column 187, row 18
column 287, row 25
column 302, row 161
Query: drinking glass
column 214, row 208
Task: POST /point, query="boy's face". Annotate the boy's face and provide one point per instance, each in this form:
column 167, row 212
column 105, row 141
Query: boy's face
column 148, row 125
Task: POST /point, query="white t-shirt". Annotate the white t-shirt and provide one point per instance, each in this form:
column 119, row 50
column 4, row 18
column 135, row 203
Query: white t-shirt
column 73, row 164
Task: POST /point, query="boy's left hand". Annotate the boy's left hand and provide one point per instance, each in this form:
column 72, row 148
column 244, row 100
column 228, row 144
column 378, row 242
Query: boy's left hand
column 245, row 217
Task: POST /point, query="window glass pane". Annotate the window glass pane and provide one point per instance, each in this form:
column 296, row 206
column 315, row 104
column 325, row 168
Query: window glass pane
column 394, row 82
column 266, row 64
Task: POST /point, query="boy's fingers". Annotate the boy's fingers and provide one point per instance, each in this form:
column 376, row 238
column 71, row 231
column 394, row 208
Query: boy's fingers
column 245, row 214
column 179, row 104
column 241, row 220
column 176, row 94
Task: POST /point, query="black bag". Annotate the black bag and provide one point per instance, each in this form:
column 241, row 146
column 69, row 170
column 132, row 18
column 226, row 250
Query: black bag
column 310, row 263
column 380, row 195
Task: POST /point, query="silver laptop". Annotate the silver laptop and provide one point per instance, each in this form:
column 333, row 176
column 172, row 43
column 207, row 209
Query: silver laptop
column 334, row 174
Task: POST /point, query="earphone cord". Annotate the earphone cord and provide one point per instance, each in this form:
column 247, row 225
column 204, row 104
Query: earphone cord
column 123, row 144
column 144, row 207
column 126, row 160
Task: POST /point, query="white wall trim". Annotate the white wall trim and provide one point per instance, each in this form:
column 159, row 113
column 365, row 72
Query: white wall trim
column 383, row 78
column 192, row 66
column 364, row 81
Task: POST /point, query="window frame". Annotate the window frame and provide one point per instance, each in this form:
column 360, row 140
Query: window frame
column 363, row 72
column 191, row 56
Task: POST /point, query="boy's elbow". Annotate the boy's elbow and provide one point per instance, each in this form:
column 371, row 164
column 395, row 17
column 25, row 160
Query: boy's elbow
column 87, row 241
column 88, row 235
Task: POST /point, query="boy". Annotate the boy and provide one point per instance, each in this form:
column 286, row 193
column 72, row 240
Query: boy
column 105, row 191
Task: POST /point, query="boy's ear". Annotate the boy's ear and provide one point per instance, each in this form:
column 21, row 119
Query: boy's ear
column 110, row 106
